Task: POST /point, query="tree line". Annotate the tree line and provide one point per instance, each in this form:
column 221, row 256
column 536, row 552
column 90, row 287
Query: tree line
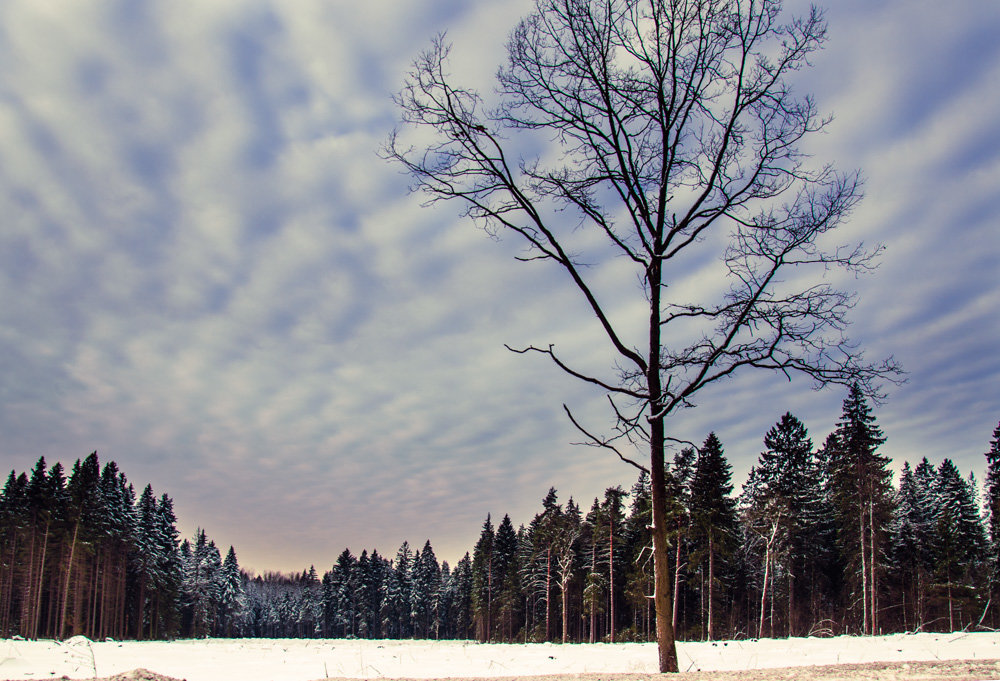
column 820, row 541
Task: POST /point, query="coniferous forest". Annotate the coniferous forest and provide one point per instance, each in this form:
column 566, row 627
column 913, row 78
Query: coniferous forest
column 819, row 542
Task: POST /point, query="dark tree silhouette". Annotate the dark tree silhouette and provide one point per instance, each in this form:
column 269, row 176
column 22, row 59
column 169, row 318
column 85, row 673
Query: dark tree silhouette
column 669, row 129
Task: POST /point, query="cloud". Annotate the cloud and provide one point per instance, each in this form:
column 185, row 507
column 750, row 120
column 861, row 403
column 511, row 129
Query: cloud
column 210, row 276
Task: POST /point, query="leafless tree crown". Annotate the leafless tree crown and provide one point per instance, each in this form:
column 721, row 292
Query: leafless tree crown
column 667, row 122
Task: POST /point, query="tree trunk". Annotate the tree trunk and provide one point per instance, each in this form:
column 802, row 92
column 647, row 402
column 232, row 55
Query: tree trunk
column 763, row 590
column 791, row 629
column 69, row 573
column 41, row 577
column 29, row 581
column 548, row 594
column 871, row 565
column 593, row 600
column 611, row 577
column 864, row 572
column 677, row 576
column 662, row 597
column 711, row 583
column 564, row 586
column 666, row 646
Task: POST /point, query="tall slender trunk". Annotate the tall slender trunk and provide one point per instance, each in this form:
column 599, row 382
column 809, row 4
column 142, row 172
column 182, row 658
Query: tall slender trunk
column 69, row 574
column 564, row 587
column 677, row 576
column 951, row 609
column 593, row 600
column 662, row 597
column 6, row 603
column 41, row 576
column 95, row 595
column 763, row 590
column 871, row 565
column 611, row 577
column 864, row 572
column 29, row 581
column 711, row 584
column 791, row 629
column 666, row 647
column 548, row 594
column 140, row 606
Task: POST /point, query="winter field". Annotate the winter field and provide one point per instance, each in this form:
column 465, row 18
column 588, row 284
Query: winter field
column 307, row 660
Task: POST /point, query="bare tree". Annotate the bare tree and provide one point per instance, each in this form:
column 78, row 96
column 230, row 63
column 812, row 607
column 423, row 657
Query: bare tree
column 669, row 128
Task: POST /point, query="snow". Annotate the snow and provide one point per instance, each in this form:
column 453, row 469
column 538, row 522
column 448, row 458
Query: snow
column 306, row 660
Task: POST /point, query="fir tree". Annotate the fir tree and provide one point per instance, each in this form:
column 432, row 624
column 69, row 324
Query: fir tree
column 426, row 594
column 993, row 510
column 461, row 598
column 506, row 570
column 713, row 516
column 782, row 510
column 861, row 492
column 232, row 597
column 485, row 582
column 959, row 539
column 638, row 543
column 911, row 556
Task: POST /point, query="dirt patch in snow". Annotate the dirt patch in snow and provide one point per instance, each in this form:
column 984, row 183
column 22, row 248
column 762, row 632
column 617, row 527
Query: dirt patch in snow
column 947, row 670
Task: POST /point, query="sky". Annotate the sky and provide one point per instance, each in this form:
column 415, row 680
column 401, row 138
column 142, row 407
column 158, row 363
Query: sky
column 209, row 276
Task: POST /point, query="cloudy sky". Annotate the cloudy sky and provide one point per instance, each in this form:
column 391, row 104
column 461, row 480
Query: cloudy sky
column 208, row 275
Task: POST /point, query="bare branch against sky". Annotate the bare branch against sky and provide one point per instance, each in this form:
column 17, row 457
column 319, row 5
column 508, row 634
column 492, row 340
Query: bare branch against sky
column 210, row 277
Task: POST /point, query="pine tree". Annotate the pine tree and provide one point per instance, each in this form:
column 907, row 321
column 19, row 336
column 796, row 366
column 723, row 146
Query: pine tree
column 84, row 510
column 506, row 569
column 399, row 593
column 14, row 514
column 485, row 583
column 165, row 618
column 679, row 518
column 461, row 598
column 201, row 565
column 595, row 582
column 426, row 594
column 960, row 540
column 232, row 598
column 565, row 545
column 993, row 511
column 713, row 516
column 780, row 510
column 145, row 558
column 861, row 492
column 911, row 554
column 638, row 547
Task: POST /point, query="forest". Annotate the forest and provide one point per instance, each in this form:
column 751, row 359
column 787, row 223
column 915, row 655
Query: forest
column 821, row 540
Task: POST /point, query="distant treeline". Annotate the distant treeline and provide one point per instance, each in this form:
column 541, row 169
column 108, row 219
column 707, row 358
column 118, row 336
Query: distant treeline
column 819, row 542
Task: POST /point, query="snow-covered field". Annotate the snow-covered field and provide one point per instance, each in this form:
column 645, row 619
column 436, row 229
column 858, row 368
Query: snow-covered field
column 306, row 660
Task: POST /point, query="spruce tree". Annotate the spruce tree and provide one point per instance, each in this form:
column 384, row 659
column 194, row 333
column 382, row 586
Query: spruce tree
column 485, row 582
column 506, row 569
column 638, row 576
column 993, row 511
column 595, row 582
column 461, row 598
column 165, row 620
column 911, row 551
column 781, row 494
column 861, row 492
column 232, row 597
column 959, row 541
column 426, row 594
column 713, row 517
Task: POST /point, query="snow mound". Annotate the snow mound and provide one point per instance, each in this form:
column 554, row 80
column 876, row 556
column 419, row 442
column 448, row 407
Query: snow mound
column 141, row 675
